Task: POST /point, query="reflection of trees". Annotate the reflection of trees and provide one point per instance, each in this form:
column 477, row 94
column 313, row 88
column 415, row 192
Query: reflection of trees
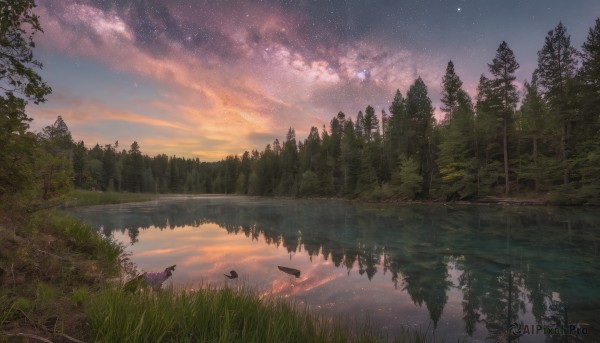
column 426, row 281
column 506, row 256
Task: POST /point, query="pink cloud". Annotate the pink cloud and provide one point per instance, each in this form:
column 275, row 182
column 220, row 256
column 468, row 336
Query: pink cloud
column 268, row 85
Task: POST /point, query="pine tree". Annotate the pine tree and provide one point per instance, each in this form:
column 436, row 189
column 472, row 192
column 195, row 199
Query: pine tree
column 370, row 125
column 419, row 130
column 359, row 127
column 488, row 135
column 350, row 158
column 451, row 85
column 533, row 114
column 289, row 165
column 398, row 125
column 590, row 56
column 457, row 155
column 503, row 69
column 58, row 137
column 590, row 76
column 556, row 68
column 335, row 150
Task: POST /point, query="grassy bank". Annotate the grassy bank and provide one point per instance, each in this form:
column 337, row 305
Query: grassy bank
column 47, row 262
column 79, row 197
column 211, row 315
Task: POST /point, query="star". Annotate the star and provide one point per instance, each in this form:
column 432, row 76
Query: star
column 459, row 9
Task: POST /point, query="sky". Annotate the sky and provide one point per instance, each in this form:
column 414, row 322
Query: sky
column 207, row 79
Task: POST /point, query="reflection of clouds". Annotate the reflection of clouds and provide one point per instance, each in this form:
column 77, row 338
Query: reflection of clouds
column 309, row 279
column 443, row 265
column 157, row 252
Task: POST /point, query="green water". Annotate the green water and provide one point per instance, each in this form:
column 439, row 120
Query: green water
column 457, row 272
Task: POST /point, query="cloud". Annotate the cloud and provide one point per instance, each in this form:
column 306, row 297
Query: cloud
column 229, row 77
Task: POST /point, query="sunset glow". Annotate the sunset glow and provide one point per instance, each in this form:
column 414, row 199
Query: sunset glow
column 213, row 79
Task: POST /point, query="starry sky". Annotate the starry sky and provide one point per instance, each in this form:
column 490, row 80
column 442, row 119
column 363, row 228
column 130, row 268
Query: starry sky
column 208, row 79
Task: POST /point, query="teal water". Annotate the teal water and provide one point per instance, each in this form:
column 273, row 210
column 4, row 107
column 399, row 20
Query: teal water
column 457, row 272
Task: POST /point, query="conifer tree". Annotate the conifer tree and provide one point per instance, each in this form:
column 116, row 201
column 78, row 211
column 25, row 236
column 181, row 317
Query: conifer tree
column 557, row 65
column 590, row 76
column 398, row 125
column 503, row 69
column 457, row 157
column 451, row 85
column 488, row 136
column 419, row 130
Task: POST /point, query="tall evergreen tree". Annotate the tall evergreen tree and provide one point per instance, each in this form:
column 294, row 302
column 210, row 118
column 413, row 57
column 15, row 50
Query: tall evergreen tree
column 289, row 165
column 451, row 85
column 350, row 158
column 503, row 69
column 58, row 136
column 533, row 123
column 370, row 124
column 419, row 130
column 488, row 133
column 398, row 125
column 457, row 155
column 590, row 76
column 557, row 65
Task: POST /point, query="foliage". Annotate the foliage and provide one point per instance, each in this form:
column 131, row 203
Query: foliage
column 309, row 185
column 557, row 64
column 451, row 85
column 18, row 24
column 406, row 179
column 503, row 69
column 18, row 145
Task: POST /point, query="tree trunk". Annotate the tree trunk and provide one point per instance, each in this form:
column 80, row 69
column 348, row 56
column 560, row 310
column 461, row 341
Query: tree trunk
column 535, row 152
column 505, row 144
column 563, row 148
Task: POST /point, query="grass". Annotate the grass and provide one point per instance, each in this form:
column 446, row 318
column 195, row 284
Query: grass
column 214, row 315
column 46, row 263
column 79, row 197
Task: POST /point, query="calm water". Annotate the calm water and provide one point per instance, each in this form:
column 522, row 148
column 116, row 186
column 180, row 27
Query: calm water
column 459, row 272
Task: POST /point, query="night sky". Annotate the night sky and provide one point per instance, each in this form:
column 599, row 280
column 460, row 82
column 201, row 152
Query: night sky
column 211, row 78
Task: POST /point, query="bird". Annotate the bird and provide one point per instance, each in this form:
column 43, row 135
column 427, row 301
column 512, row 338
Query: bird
column 233, row 275
column 156, row 279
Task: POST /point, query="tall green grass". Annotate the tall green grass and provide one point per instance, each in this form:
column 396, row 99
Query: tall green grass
column 79, row 197
column 213, row 315
column 77, row 236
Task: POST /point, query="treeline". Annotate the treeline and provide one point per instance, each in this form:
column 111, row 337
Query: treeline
column 483, row 146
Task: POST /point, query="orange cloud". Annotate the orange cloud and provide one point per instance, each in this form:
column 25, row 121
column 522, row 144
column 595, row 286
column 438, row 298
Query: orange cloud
column 229, row 96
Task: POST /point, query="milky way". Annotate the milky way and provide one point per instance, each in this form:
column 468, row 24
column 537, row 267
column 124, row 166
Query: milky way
column 211, row 78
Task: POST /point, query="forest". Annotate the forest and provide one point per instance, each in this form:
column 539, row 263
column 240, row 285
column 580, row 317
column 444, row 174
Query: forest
column 540, row 142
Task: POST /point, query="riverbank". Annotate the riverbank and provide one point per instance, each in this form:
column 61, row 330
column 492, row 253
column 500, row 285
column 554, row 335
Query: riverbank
column 79, row 197
column 59, row 281
column 49, row 264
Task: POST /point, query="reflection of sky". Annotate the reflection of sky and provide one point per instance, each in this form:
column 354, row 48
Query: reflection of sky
column 203, row 254
column 428, row 246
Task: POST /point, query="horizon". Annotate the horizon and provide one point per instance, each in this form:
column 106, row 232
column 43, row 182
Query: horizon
column 212, row 80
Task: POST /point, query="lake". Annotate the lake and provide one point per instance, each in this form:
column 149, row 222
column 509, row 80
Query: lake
column 457, row 271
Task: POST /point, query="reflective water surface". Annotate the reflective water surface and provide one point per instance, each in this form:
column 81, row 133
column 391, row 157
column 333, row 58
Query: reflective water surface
column 473, row 273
